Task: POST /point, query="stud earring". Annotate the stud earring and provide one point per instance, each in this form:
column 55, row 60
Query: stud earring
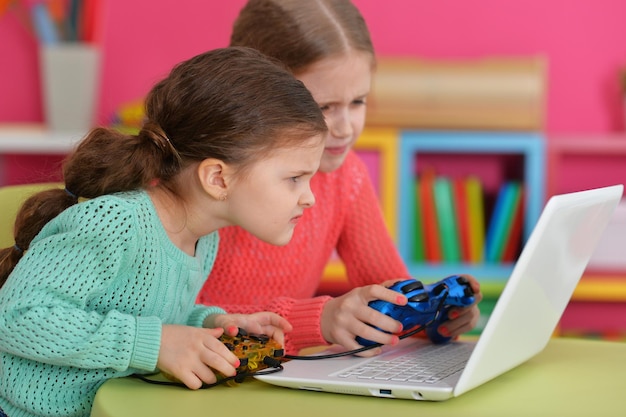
column 223, row 197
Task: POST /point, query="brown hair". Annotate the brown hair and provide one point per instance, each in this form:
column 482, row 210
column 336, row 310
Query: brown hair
column 233, row 104
column 300, row 33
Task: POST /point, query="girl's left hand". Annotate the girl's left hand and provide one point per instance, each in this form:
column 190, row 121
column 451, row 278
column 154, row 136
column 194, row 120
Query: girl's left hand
column 463, row 319
column 265, row 322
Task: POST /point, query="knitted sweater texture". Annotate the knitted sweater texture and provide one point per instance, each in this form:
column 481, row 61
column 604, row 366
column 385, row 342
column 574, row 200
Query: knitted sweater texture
column 87, row 301
column 250, row 275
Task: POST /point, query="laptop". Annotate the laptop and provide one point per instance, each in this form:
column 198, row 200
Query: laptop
column 521, row 325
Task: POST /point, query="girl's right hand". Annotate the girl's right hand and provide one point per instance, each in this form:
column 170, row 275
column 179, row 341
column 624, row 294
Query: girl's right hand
column 191, row 354
column 346, row 317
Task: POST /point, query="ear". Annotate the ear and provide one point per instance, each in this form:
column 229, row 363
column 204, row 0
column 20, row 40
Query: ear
column 211, row 174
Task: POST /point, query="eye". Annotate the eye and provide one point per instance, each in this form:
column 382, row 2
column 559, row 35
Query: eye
column 359, row 102
column 295, row 179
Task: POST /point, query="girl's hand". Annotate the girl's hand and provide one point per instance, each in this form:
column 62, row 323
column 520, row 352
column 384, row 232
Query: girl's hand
column 348, row 316
column 345, row 317
column 190, row 354
column 462, row 319
column 265, row 322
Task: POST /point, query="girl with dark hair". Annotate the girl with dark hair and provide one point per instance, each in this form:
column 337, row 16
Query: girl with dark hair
column 103, row 275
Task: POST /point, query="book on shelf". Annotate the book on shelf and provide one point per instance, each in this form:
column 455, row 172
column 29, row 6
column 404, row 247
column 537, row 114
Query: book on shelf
column 449, row 237
column 475, row 219
column 501, row 222
column 462, row 218
column 451, row 224
column 430, row 227
column 513, row 244
column 418, row 252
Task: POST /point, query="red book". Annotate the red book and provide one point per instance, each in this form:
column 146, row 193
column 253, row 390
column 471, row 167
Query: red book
column 430, row 226
column 512, row 245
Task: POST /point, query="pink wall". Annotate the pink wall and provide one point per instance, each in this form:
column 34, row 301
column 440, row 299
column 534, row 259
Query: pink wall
column 142, row 39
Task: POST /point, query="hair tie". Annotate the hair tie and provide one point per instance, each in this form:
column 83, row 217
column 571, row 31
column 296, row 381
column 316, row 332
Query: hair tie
column 17, row 248
column 155, row 132
column 71, row 194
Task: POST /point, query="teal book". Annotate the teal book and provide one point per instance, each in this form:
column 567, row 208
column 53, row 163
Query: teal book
column 500, row 223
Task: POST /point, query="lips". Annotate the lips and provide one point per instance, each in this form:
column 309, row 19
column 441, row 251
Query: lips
column 336, row 150
column 295, row 219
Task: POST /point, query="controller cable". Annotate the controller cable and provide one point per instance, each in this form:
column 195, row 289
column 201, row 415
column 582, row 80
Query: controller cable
column 274, row 364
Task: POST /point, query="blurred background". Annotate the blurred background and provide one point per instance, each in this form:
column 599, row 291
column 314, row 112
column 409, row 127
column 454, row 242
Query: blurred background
column 140, row 40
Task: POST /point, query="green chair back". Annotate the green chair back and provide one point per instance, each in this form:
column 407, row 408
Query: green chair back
column 11, row 199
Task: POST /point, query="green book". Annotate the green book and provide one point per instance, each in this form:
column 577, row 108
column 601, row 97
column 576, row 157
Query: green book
column 418, row 232
column 446, row 216
column 501, row 220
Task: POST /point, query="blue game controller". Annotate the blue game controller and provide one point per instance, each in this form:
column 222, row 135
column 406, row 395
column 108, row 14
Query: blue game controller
column 424, row 303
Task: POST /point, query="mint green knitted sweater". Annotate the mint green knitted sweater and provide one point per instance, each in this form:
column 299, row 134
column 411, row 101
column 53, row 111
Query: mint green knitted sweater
column 87, row 301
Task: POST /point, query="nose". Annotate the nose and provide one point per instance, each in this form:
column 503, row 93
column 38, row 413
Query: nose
column 339, row 124
column 307, row 200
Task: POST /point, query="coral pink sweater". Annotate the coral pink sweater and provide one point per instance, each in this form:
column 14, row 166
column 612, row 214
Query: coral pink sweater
column 250, row 275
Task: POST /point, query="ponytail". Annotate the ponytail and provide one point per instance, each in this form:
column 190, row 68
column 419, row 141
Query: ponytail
column 106, row 161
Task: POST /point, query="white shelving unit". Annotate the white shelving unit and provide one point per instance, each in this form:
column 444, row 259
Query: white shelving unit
column 36, row 139
column 33, row 139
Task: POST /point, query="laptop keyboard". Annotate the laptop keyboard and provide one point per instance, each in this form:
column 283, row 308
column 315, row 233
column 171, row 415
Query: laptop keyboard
column 428, row 364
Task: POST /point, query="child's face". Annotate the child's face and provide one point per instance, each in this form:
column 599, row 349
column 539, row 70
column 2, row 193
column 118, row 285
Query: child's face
column 271, row 198
column 340, row 86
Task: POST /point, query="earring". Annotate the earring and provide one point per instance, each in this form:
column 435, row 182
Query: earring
column 223, row 197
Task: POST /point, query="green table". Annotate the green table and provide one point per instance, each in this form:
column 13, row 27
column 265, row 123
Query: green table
column 571, row 377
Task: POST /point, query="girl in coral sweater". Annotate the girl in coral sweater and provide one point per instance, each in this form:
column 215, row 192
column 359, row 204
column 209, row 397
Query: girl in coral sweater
column 105, row 288
column 327, row 46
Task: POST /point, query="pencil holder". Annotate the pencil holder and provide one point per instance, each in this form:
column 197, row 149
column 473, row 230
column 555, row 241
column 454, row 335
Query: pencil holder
column 70, row 80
